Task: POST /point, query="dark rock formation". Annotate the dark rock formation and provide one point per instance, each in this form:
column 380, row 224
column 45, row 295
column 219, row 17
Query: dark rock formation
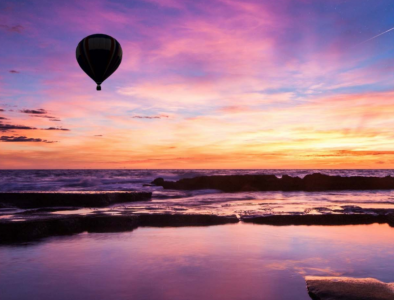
column 35, row 226
column 108, row 223
column 167, row 220
column 344, row 288
column 313, row 182
column 158, row 181
column 38, row 228
column 73, row 199
column 52, row 225
column 327, row 219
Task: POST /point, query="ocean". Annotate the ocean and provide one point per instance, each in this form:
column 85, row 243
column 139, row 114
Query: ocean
column 201, row 201
column 129, row 180
column 233, row 261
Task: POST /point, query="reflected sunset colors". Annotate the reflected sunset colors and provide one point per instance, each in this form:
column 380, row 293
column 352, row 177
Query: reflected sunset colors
column 210, row 87
column 239, row 261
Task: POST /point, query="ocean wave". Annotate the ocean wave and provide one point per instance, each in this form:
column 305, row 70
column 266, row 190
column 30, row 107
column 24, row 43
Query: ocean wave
column 126, row 180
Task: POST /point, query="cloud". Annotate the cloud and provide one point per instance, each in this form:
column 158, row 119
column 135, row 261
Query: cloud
column 98, row 135
column 150, row 117
column 16, row 28
column 51, row 118
column 15, row 139
column 39, row 111
column 14, row 71
column 2, row 118
column 7, row 127
column 1, row 109
column 47, row 117
column 57, row 128
column 344, row 153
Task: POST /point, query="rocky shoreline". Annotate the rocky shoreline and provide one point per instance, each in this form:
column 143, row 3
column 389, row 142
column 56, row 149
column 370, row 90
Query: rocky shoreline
column 367, row 216
column 31, row 216
column 40, row 223
column 69, row 199
column 54, row 225
column 28, row 216
column 312, row 182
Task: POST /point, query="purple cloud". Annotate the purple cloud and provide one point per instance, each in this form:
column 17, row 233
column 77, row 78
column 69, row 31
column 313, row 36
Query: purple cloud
column 57, row 128
column 15, row 139
column 39, row 111
column 150, row 117
column 7, row 127
column 47, row 117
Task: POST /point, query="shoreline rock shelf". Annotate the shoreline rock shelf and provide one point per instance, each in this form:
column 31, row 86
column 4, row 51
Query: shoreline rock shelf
column 55, row 225
column 312, row 182
column 345, row 288
column 38, row 224
column 71, row 199
column 366, row 218
column 42, row 220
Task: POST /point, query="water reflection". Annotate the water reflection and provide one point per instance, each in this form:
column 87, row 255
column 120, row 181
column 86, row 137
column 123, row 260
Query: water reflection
column 254, row 203
column 241, row 261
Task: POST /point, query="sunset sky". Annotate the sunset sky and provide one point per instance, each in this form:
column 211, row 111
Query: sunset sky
column 202, row 84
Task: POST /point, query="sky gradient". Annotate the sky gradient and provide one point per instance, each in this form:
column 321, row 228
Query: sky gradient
column 202, row 84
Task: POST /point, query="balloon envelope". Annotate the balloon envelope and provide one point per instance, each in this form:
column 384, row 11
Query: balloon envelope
column 99, row 55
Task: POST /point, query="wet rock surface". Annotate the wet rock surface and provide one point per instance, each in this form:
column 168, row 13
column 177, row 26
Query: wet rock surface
column 348, row 216
column 35, row 224
column 41, row 226
column 312, row 182
column 327, row 220
column 80, row 199
column 345, row 288
column 30, row 216
column 175, row 220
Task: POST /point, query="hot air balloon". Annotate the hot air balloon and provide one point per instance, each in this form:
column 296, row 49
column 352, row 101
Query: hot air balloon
column 99, row 55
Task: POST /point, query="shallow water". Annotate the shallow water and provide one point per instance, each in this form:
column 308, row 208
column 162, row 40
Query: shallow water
column 240, row 261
